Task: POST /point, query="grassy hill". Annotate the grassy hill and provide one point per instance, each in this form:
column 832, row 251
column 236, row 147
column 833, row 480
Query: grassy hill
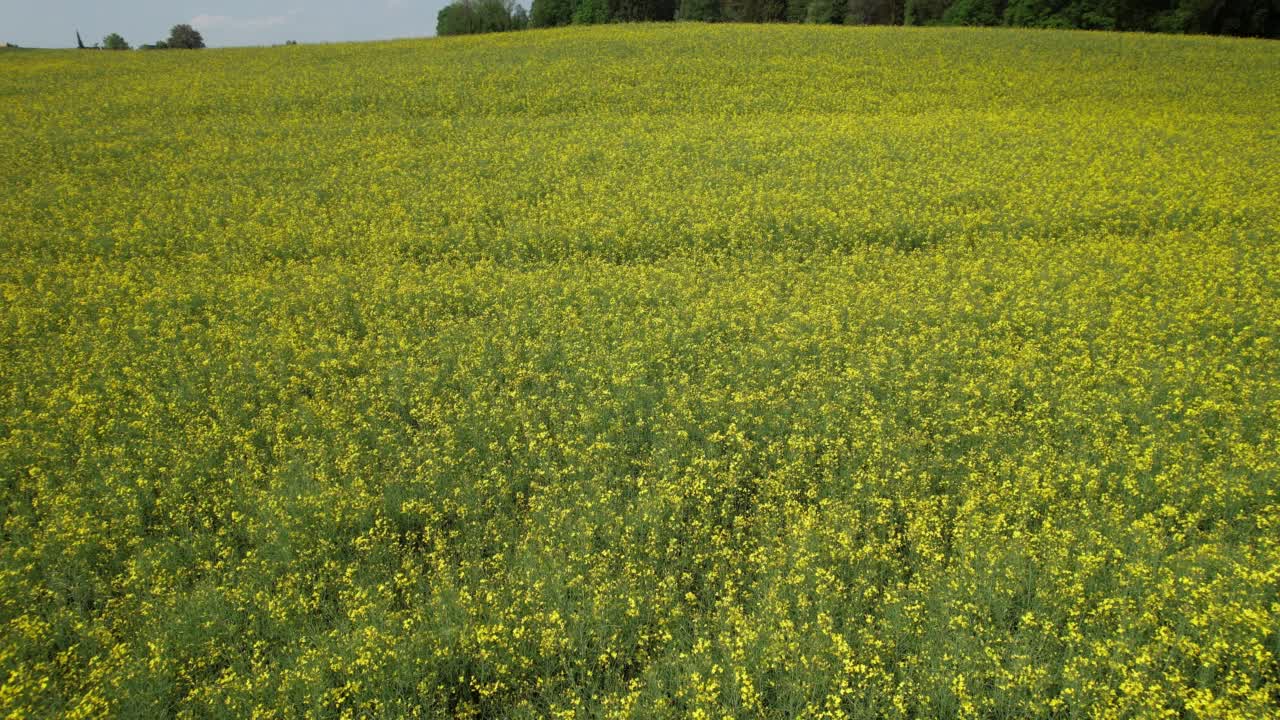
column 655, row 371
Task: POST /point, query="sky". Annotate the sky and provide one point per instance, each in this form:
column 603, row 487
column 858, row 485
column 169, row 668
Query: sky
column 53, row 23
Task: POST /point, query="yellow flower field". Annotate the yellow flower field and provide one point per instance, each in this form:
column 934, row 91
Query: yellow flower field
column 683, row 371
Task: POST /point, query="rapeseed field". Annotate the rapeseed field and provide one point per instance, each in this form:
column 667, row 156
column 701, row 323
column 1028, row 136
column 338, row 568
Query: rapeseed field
column 644, row 371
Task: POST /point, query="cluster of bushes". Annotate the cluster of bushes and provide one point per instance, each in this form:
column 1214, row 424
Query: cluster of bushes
column 1259, row 18
column 181, row 37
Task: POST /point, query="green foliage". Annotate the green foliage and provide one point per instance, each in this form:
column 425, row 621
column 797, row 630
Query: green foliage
column 1033, row 13
column 495, row 15
column 923, row 12
column 591, row 12
column 184, row 37
column 519, row 18
column 797, row 11
column 974, row 12
column 464, row 17
column 700, row 10
column 756, row 11
column 826, row 11
column 457, row 18
column 642, row 10
column 874, row 12
column 1086, row 14
column 1235, row 17
column 551, row 13
column 662, row 371
column 1258, row 18
column 114, row 42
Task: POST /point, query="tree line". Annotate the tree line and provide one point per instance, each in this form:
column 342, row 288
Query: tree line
column 1256, row 18
column 465, row 17
column 181, row 37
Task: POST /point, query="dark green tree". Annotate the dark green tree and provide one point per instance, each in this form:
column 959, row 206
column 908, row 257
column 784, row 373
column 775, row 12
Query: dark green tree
column 797, row 11
column 642, row 10
column 874, row 12
column 494, row 15
column 703, row 10
column 754, row 10
column 1255, row 18
column 591, row 12
column 114, row 42
column 457, row 18
column 519, row 18
column 464, row 17
column 551, row 13
column 923, row 12
column 826, row 11
column 974, row 12
column 184, row 37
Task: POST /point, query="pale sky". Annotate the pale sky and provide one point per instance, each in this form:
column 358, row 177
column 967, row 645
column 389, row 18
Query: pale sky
column 53, row 23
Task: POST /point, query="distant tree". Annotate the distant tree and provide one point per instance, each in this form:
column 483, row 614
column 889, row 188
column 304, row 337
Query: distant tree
column 821, row 12
column 114, row 42
column 464, row 17
column 551, row 13
column 923, row 12
column 620, row 10
column 643, row 10
column 874, row 12
column 495, row 15
column 759, row 11
column 591, row 12
column 797, row 11
column 974, row 12
column 185, row 37
column 519, row 18
column 699, row 10
column 457, row 18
